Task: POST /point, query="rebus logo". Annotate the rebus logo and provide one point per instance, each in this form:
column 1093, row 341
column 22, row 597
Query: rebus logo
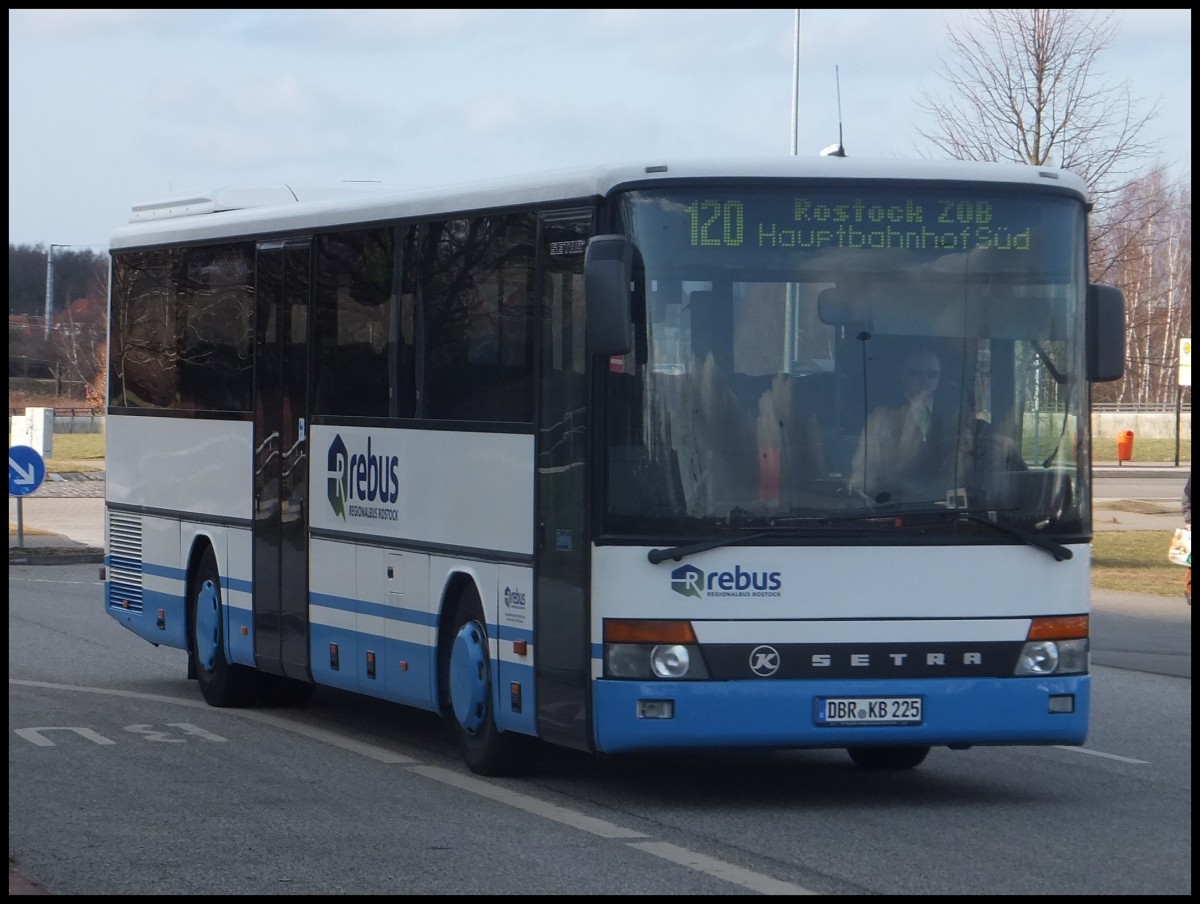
column 688, row 580
column 360, row 477
column 339, row 476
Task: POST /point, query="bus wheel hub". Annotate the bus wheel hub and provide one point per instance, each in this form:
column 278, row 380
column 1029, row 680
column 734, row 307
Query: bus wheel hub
column 469, row 678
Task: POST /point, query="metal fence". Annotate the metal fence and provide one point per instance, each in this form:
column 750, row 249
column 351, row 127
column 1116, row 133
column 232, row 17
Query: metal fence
column 71, row 420
column 1136, row 407
column 63, row 412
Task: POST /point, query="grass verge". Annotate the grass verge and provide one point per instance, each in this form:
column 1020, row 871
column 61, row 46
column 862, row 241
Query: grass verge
column 1135, row 561
column 1158, row 451
column 72, row 452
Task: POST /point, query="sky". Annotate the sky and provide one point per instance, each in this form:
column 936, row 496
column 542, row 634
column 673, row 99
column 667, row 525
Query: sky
column 111, row 107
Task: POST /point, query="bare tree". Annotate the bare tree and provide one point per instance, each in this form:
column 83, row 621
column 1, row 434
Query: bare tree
column 1025, row 86
column 1152, row 262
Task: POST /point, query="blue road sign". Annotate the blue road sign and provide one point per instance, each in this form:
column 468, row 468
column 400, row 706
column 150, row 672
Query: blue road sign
column 26, row 470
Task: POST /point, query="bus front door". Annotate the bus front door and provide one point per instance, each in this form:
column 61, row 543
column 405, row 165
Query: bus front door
column 281, row 458
column 563, row 666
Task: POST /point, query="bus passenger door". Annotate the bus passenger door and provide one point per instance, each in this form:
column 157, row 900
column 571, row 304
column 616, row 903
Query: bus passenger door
column 281, row 457
column 563, row 657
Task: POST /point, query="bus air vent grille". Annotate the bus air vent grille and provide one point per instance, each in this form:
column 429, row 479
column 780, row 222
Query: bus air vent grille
column 125, row 562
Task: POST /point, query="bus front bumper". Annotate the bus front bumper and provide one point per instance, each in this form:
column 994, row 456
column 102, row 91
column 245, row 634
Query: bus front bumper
column 641, row 715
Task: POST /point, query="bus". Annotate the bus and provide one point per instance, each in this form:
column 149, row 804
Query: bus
column 577, row 460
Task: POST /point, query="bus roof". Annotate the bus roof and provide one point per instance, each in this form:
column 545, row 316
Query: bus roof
column 254, row 210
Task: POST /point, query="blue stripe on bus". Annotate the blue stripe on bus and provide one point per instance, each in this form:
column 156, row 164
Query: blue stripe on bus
column 170, row 572
column 379, row 610
column 509, row 632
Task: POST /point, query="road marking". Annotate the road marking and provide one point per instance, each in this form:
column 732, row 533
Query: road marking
column 37, row 737
column 756, row 882
column 545, row 809
column 1107, row 756
column 27, row 580
column 317, row 734
column 702, row 863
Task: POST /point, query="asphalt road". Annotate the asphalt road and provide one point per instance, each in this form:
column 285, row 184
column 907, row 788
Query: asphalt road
column 122, row 781
column 1148, row 634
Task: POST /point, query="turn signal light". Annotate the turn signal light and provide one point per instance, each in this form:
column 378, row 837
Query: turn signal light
column 1058, row 627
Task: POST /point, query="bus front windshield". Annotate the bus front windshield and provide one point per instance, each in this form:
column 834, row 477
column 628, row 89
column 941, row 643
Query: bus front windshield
column 817, row 354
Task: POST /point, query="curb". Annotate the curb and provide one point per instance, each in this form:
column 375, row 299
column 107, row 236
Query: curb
column 20, row 884
column 1165, row 470
column 87, row 556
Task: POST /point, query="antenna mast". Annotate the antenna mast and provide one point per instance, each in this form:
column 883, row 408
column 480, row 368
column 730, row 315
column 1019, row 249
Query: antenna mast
column 839, row 149
column 796, row 91
column 837, row 80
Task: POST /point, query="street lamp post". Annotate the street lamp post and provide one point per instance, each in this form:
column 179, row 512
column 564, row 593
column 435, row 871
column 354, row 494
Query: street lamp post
column 50, row 286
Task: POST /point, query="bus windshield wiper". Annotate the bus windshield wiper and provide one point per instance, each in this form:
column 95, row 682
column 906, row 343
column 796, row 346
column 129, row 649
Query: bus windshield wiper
column 678, row 552
column 1060, row 552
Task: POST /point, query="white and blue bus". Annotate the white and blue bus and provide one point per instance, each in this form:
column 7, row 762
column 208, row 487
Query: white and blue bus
column 578, row 460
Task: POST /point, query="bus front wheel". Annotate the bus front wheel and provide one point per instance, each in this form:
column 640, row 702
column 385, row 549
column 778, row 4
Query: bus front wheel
column 221, row 683
column 888, row 757
column 467, row 690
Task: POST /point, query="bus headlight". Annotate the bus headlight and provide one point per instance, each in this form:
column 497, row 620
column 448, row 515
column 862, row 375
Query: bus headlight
column 1053, row 657
column 652, row 648
column 670, row 661
column 641, row 661
column 626, row 660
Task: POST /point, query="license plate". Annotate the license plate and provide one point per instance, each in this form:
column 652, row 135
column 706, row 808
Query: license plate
column 868, row 710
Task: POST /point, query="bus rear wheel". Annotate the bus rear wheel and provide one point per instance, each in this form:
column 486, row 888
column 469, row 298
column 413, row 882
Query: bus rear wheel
column 888, row 757
column 467, row 690
column 221, row 682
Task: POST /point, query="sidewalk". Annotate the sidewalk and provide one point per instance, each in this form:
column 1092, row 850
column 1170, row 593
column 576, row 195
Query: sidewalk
column 1141, row 468
column 61, row 523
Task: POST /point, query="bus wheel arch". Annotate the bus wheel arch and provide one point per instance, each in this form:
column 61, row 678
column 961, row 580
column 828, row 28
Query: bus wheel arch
column 458, row 592
column 466, row 692
column 222, row 683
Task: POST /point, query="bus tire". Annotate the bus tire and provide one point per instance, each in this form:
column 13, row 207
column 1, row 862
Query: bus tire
column 467, row 690
column 221, row 683
column 888, row 757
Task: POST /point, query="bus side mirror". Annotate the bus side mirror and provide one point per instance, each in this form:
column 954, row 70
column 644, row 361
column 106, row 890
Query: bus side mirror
column 1105, row 333
column 607, row 274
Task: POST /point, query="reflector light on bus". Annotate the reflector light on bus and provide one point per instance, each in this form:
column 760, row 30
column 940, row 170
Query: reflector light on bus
column 1058, row 627
column 647, row 631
